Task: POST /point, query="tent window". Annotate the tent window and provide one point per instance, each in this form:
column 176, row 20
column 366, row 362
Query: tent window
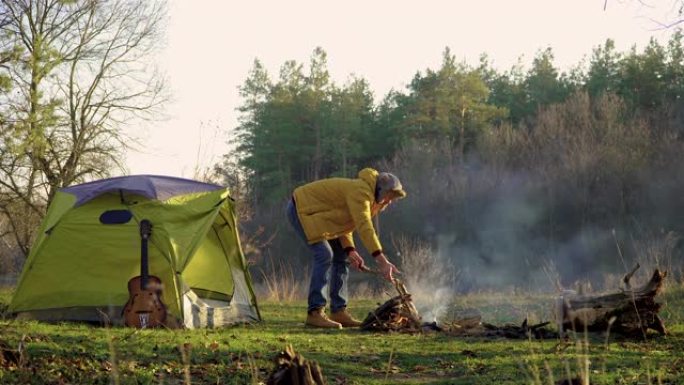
column 115, row 217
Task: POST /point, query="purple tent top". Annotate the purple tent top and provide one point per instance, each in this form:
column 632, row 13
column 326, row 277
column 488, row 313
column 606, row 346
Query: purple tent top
column 151, row 186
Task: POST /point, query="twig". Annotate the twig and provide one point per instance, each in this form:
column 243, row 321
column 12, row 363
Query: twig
column 629, row 276
column 389, row 364
column 636, row 308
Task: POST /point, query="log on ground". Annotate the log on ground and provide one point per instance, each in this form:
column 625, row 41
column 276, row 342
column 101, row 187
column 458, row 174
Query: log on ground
column 630, row 312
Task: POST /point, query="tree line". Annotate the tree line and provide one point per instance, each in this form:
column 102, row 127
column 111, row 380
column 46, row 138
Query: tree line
column 302, row 126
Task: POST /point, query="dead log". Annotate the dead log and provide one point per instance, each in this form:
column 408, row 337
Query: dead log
column 631, row 312
column 293, row 369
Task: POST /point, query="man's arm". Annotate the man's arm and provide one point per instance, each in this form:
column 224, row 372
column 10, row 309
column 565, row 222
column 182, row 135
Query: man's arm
column 359, row 205
column 360, row 208
column 347, row 242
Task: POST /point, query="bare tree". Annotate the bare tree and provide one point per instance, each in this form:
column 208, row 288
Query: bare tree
column 670, row 13
column 77, row 71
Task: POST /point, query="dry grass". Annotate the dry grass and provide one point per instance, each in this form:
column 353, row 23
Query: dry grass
column 283, row 281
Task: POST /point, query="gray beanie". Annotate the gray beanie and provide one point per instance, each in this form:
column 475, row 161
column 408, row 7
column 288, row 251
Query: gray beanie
column 388, row 183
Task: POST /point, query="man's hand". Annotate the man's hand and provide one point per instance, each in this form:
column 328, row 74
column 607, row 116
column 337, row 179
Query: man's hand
column 386, row 267
column 356, row 261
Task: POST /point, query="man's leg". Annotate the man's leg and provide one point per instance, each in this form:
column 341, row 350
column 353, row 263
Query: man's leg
column 338, row 287
column 322, row 259
column 338, row 277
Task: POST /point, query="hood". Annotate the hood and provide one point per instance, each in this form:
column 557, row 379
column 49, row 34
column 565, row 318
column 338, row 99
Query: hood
column 369, row 176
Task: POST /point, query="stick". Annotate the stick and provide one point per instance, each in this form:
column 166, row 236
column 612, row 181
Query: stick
column 629, row 276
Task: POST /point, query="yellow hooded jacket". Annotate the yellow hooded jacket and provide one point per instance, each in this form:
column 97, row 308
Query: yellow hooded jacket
column 335, row 207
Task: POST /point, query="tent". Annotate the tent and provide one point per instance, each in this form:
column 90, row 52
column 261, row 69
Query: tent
column 89, row 246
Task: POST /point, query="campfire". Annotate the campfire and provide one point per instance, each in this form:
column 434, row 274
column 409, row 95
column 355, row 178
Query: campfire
column 630, row 312
column 397, row 314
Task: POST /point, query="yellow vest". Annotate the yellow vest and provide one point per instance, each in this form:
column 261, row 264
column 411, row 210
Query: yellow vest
column 336, row 207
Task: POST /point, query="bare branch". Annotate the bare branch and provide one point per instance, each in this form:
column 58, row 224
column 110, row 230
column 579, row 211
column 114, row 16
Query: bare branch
column 80, row 75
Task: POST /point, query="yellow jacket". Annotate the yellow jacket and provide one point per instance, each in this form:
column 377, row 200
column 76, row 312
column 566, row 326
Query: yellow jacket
column 335, row 207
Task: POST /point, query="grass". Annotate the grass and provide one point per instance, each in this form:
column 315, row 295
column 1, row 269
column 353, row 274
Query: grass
column 76, row 353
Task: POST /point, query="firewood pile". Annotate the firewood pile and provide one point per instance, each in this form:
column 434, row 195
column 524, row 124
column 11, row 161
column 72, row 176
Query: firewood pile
column 293, row 369
column 397, row 314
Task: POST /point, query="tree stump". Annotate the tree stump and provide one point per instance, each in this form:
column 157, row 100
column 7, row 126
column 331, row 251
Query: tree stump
column 293, row 369
column 630, row 312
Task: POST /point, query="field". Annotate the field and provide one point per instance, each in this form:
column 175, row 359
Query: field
column 75, row 353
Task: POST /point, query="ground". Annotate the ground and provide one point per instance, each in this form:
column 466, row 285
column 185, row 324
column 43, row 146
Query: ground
column 75, row 353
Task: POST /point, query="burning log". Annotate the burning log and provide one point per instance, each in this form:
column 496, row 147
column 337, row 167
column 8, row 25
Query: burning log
column 630, row 312
column 293, row 369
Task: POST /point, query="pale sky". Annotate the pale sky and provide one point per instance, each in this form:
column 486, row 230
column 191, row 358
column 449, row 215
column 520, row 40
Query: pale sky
column 211, row 46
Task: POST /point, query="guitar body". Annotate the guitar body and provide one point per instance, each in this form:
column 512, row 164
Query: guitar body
column 144, row 308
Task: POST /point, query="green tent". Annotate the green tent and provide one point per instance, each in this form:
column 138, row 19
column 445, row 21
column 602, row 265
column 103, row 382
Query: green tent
column 89, row 246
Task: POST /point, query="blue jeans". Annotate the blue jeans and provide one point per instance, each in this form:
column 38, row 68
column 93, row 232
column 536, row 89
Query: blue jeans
column 328, row 256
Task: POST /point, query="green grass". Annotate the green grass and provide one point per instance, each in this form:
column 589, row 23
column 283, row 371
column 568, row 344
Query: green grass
column 75, row 353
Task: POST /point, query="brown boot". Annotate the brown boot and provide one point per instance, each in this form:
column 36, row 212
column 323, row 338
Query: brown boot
column 318, row 319
column 345, row 319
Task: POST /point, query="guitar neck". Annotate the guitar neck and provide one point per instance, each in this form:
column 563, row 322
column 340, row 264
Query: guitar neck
column 145, row 232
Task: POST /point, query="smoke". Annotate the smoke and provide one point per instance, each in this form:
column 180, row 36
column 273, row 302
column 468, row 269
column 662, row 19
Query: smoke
column 486, row 228
column 434, row 304
column 428, row 276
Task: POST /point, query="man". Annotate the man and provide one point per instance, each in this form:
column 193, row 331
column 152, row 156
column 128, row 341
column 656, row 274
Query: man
column 325, row 214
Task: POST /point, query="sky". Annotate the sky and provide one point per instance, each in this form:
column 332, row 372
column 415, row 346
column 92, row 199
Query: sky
column 211, row 45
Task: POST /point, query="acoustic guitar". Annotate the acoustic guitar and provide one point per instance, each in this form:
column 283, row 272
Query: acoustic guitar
column 144, row 308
